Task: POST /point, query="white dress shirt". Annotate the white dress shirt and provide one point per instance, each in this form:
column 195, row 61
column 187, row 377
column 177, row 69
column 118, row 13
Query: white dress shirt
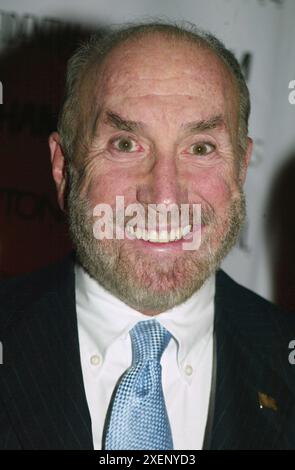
column 104, row 323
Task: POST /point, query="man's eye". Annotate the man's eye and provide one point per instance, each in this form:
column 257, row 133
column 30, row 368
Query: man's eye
column 125, row 144
column 202, row 148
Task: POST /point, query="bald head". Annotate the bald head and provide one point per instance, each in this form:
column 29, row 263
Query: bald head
column 151, row 51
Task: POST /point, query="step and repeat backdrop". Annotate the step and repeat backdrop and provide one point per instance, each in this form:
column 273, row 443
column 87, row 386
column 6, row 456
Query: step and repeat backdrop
column 36, row 38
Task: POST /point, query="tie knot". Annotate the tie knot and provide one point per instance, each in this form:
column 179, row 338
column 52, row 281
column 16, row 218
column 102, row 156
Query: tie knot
column 149, row 340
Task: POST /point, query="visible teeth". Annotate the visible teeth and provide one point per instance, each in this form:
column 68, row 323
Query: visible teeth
column 163, row 236
column 130, row 230
column 145, row 235
column 153, row 236
column 186, row 230
column 159, row 237
column 178, row 233
column 172, row 235
column 139, row 233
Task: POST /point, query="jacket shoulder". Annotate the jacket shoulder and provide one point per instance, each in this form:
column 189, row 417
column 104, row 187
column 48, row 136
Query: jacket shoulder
column 19, row 293
column 248, row 308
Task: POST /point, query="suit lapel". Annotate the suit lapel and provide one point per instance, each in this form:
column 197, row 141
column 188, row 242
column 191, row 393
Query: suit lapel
column 252, row 403
column 42, row 377
column 41, row 381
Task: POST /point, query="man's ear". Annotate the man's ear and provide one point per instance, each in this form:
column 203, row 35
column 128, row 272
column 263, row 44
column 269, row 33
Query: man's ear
column 58, row 167
column 246, row 160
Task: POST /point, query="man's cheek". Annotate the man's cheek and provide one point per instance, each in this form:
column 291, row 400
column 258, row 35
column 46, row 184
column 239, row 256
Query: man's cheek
column 105, row 190
column 216, row 192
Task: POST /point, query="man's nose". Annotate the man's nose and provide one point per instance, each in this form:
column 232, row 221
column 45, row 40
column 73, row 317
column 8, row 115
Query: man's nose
column 163, row 184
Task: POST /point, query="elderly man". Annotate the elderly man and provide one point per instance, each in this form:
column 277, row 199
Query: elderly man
column 139, row 341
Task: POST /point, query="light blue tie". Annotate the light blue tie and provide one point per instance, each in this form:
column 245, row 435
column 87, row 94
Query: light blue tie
column 138, row 417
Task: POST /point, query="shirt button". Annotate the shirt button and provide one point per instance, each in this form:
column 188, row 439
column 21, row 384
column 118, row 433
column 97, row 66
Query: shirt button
column 95, row 360
column 188, row 369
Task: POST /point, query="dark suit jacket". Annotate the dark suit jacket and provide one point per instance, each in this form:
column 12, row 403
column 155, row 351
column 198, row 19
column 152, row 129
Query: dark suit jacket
column 42, row 398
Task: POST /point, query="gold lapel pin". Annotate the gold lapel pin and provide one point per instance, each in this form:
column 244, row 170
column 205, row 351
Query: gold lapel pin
column 265, row 401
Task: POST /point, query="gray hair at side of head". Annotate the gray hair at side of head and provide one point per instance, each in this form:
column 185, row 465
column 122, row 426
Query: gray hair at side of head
column 95, row 50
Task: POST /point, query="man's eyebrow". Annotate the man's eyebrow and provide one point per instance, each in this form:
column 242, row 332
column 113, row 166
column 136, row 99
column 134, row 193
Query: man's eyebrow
column 120, row 123
column 204, row 125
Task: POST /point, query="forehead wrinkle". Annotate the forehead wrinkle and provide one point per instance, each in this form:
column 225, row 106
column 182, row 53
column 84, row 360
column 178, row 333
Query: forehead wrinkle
column 136, row 86
column 119, row 122
column 185, row 65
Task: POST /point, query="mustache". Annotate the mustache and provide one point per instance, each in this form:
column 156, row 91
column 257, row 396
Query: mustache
column 204, row 214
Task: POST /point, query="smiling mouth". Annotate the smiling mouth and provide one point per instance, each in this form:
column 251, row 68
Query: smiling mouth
column 160, row 236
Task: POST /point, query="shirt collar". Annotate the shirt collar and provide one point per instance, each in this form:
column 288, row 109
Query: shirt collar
column 106, row 318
